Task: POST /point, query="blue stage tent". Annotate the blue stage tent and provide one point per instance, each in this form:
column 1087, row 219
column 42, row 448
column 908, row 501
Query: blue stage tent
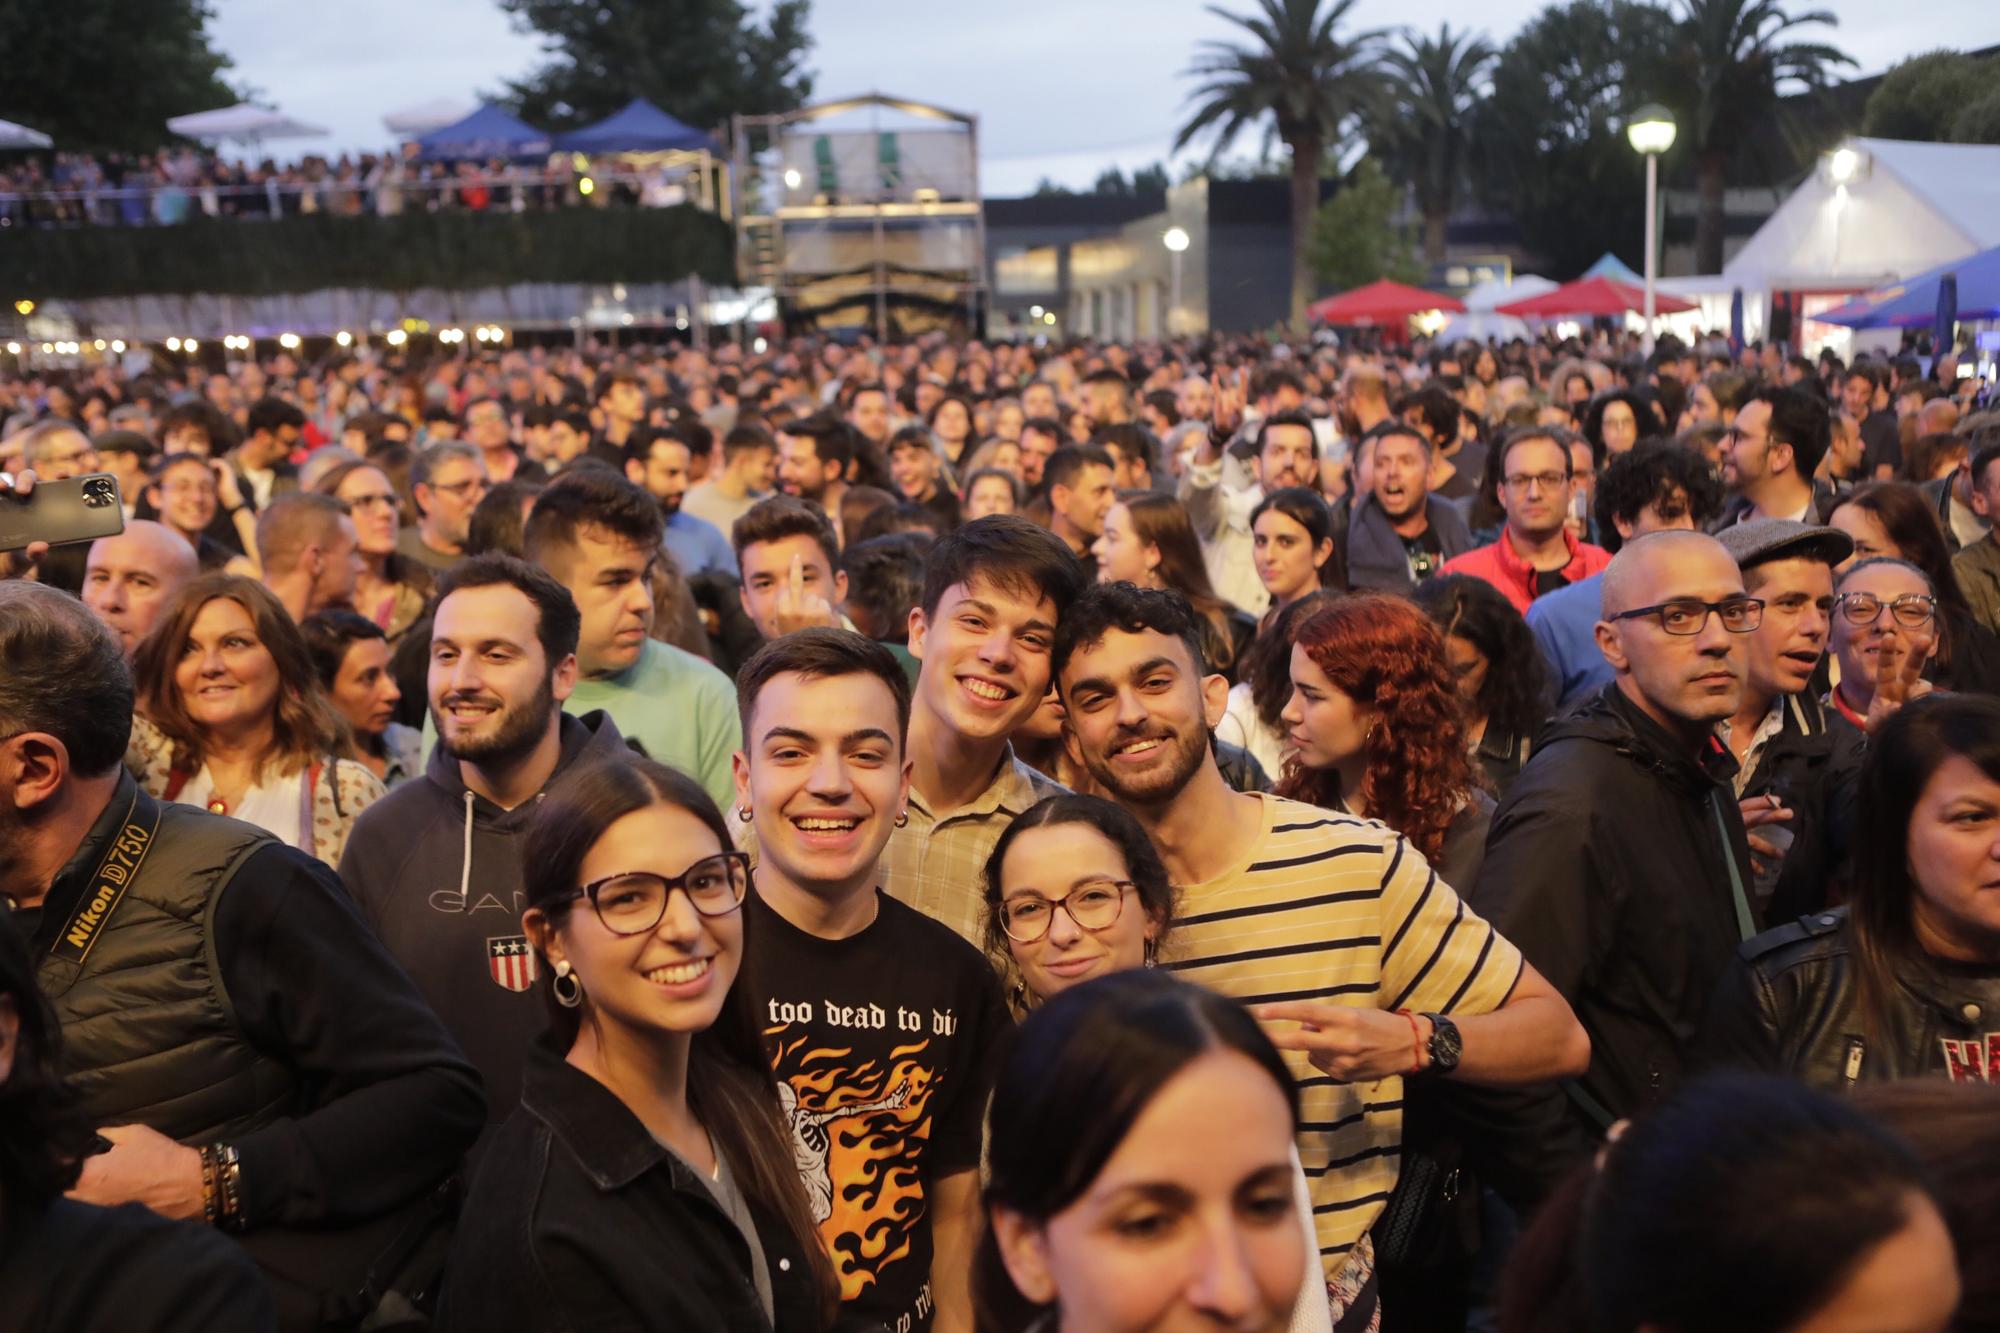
column 487, row 133
column 1913, row 303
column 640, row 128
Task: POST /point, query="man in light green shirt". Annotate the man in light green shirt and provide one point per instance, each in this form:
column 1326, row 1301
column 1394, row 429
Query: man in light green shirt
column 599, row 535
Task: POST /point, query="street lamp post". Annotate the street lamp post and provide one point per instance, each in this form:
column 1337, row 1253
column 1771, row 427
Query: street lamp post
column 1650, row 131
column 1176, row 241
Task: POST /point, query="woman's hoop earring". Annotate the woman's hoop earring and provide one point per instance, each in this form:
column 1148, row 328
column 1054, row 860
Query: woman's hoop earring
column 743, row 813
column 571, row 996
column 903, row 820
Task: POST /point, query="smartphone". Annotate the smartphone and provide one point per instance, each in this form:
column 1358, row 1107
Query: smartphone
column 78, row 509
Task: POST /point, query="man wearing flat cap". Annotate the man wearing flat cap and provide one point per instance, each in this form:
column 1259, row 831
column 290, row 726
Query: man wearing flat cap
column 1795, row 775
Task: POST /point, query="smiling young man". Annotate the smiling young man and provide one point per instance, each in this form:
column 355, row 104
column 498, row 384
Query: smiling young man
column 599, row 535
column 881, row 1026
column 1770, row 456
column 1536, row 552
column 994, row 592
column 1364, row 966
column 1795, row 773
column 435, row 865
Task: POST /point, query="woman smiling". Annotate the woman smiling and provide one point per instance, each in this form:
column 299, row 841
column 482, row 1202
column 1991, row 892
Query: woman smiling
column 231, row 716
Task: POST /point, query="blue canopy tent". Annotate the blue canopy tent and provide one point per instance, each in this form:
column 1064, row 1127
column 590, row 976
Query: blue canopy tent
column 640, row 128
column 487, row 133
column 1913, row 303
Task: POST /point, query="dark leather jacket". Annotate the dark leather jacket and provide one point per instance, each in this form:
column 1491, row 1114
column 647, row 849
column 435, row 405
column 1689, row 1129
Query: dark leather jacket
column 1790, row 1005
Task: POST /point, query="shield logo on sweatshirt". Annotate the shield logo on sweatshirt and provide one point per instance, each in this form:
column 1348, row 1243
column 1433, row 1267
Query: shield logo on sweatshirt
column 511, row 961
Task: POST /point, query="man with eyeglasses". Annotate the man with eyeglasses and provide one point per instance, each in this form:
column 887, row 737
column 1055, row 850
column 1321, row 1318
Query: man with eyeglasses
column 446, row 483
column 435, row 866
column 1617, row 861
column 882, row 1025
column 1795, row 771
column 1770, row 456
column 1536, row 553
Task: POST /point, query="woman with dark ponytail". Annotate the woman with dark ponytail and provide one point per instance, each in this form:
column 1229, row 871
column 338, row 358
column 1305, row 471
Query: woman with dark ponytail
column 1741, row 1205
column 647, row 1180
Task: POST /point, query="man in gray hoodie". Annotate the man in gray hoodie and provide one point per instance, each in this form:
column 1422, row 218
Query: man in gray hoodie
column 436, row 865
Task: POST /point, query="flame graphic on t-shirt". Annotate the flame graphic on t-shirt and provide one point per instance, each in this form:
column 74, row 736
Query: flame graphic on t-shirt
column 871, row 1154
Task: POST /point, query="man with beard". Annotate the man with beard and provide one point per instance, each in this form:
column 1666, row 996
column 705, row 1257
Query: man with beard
column 883, row 1027
column 868, row 412
column 1770, row 456
column 814, row 454
column 1399, row 535
column 1287, row 455
column 1536, row 552
column 661, row 461
column 1617, row 861
column 435, row 866
column 1040, row 438
column 1364, row 967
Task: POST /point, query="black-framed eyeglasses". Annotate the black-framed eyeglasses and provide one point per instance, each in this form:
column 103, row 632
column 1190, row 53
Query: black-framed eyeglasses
column 1548, row 481
column 460, row 489
column 1689, row 615
column 1914, row 609
column 1093, row 906
column 633, row 902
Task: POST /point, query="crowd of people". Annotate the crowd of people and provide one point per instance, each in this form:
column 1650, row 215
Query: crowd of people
column 955, row 835
column 175, row 186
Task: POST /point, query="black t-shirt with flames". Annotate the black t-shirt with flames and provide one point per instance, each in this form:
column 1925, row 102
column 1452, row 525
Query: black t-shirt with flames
column 885, row 1045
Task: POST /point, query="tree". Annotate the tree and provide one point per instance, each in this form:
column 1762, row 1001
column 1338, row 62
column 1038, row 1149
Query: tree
column 1979, row 122
column 104, row 75
column 1733, row 59
column 1920, row 98
column 1146, row 180
column 1355, row 239
column 1112, row 181
column 700, row 60
column 1548, row 143
column 1425, row 136
column 1302, row 80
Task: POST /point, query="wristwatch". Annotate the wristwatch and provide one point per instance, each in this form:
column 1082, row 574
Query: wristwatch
column 1445, row 1045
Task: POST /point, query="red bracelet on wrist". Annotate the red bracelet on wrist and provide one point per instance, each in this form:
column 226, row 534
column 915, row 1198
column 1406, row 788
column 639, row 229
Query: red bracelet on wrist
column 1416, row 1042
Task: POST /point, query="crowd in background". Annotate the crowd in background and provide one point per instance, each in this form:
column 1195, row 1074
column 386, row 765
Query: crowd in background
column 172, row 187
column 860, row 816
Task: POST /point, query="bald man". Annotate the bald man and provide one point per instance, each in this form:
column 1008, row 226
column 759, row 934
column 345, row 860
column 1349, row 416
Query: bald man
column 1618, row 860
column 130, row 578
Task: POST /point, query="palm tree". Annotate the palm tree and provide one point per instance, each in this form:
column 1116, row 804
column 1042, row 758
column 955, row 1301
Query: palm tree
column 1734, row 55
column 1308, row 78
column 1426, row 137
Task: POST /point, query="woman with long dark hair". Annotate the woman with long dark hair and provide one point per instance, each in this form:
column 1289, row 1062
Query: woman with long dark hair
column 1148, row 540
column 647, row 1179
column 1501, row 676
column 1374, row 719
column 1892, row 518
column 1291, row 539
column 231, row 716
column 351, row 654
column 1740, row 1205
column 1100, row 1216
column 1904, row 978
column 1617, row 421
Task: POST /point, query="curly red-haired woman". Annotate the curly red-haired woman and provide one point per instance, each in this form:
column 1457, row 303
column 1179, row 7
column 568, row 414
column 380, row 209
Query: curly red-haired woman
column 1379, row 732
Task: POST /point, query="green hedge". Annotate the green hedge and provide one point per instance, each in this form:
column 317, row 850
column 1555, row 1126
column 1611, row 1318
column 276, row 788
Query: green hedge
column 453, row 251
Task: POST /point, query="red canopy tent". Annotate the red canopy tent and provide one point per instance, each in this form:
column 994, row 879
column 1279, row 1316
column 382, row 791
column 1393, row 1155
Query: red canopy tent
column 1593, row 296
column 1380, row 302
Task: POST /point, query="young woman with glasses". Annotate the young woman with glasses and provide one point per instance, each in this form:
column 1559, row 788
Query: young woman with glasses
column 1892, row 518
column 647, row 1180
column 1884, row 628
column 1076, row 892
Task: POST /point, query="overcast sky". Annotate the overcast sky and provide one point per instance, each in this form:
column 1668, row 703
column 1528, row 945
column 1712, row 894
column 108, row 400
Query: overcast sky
column 1062, row 88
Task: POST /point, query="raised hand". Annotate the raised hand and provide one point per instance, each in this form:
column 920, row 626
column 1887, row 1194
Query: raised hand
column 1899, row 677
